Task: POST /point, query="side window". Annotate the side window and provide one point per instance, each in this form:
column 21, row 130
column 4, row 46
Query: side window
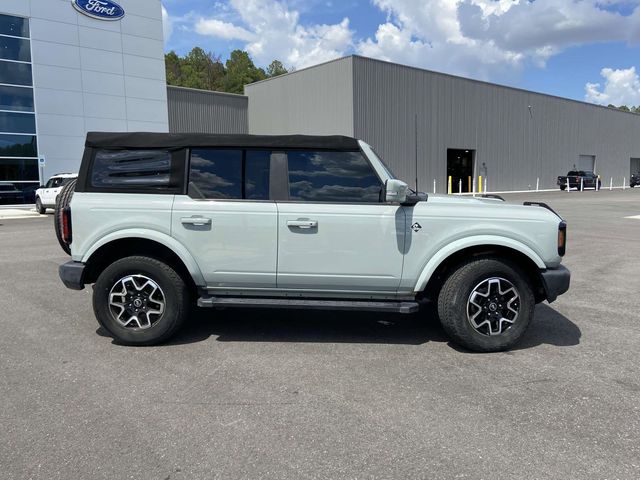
column 229, row 174
column 257, row 174
column 217, row 173
column 135, row 170
column 50, row 183
column 344, row 177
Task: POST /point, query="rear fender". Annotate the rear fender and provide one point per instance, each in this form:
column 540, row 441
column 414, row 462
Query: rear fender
column 162, row 238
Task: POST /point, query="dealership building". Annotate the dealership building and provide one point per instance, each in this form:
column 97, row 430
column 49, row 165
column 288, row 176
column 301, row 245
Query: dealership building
column 72, row 66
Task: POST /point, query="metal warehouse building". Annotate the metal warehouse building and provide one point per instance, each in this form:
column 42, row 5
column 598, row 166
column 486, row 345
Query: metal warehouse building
column 454, row 126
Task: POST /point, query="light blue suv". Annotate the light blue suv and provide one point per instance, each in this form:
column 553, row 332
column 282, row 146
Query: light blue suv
column 162, row 222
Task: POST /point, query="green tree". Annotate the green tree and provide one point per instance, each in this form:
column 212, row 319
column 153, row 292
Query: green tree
column 624, row 108
column 276, row 68
column 197, row 69
column 173, row 67
column 240, row 71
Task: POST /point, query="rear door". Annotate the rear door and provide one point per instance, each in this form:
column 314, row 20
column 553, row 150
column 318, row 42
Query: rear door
column 335, row 233
column 227, row 220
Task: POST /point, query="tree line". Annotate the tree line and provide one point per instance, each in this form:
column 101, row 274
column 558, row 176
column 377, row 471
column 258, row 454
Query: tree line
column 624, row 108
column 205, row 71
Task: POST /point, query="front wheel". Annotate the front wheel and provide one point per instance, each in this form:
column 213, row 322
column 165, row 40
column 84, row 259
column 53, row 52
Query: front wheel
column 486, row 305
column 140, row 300
column 563, row 187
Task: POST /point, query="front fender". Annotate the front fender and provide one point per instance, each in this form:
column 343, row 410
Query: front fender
column 156, row 236
column 479, row 240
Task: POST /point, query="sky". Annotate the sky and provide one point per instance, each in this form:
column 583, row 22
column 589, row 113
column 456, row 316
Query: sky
column 587, row 50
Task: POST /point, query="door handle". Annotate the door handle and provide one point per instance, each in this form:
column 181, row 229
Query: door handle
column 196, row 221
column 302, row 223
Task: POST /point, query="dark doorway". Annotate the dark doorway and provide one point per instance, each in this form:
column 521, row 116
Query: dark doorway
column 635, row 166
column 460, row 169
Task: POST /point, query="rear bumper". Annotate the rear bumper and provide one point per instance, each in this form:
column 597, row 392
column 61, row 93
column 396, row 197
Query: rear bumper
column 555, row 281
column 72, row 275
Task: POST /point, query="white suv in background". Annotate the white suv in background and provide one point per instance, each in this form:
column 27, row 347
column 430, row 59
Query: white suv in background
column 47, row 195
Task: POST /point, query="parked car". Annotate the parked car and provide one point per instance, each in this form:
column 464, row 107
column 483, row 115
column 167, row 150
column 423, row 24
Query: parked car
column 162, row 222
column 635, row 180
column 47, row 195
column 9, row 194
column 579, row 179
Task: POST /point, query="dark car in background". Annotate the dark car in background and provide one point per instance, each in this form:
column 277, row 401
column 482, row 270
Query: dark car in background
column 635, row 180
column 579, row 179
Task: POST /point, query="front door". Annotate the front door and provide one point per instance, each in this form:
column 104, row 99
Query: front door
column 335, row 234
column 227, row 221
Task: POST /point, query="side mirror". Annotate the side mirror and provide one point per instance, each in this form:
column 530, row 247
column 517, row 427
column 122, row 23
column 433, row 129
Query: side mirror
column 395, row 191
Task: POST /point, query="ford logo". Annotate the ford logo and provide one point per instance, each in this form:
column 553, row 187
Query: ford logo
column 100, row 9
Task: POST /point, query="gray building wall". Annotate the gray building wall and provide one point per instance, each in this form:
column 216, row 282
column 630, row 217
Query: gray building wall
column 202, row 111
column 317, row 101
column 380, row 101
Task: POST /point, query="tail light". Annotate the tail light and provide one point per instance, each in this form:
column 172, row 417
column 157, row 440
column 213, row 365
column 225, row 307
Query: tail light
column 562, row 238
column 66, row 226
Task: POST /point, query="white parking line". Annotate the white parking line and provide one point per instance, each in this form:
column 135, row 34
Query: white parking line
column 634, row 217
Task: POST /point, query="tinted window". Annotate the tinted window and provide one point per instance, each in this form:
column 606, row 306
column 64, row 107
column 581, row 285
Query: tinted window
column 15, row 49
column 18, row 169
column 332, row 177
column 17, row 122
column 257, row 174
column 18, row 146
column 16, row 98
column 15, row 73
column 14, row 26
column 131, row 169
column 218, row 173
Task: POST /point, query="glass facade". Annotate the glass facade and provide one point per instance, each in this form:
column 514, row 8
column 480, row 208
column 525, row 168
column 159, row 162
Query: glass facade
column 18, row 141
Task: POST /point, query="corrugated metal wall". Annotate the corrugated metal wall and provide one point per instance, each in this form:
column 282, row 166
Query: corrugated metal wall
column 201, row 111
column 317, row 100
column 518, row 144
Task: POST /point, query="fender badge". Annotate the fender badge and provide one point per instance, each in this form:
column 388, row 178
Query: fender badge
column 416, row 227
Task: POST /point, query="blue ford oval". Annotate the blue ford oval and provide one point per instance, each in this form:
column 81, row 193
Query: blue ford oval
column 100, row 9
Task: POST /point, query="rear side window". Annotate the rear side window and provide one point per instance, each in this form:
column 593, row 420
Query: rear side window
column 343, row 177
column 229, row 174
column 136, row 170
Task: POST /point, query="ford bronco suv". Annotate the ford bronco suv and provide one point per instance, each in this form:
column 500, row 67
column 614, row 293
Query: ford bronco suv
column 162, row 222
column 47, row 195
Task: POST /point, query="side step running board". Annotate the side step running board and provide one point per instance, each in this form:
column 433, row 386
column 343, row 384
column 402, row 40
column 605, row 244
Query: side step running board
column 360, row 305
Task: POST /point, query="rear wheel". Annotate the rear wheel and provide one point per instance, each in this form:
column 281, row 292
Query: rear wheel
column 140, row 300
column 41, row 209
column 486, row 305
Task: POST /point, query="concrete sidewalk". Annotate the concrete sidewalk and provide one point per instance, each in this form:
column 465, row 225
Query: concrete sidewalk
column 13, row 213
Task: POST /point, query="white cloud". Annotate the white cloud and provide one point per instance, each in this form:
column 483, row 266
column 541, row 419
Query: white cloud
column 272, row 30
column 621, row 87
column 167, row 25
column 220, row 29
column 483, row 37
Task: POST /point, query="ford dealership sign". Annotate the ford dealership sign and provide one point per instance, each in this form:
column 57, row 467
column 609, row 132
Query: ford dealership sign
column 100, row 9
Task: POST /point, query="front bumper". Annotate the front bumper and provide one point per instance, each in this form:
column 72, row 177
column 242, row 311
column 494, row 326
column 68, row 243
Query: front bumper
column 72, row 275
column 555, row 282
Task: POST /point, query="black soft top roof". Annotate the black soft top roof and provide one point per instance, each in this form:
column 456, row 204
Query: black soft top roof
column 182, row 140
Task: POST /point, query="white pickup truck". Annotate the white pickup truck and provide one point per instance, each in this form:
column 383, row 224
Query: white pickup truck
column 162, row 222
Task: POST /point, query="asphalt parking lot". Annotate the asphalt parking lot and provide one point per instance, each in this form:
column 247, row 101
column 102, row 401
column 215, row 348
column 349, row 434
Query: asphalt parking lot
column 295, row 394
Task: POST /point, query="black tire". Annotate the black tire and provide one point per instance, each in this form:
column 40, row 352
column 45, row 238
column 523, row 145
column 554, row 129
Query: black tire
column 172, row 287
column 62, row 202
column 563, row 187
column 41, row 209
column 455, row 294
column 599, row 186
